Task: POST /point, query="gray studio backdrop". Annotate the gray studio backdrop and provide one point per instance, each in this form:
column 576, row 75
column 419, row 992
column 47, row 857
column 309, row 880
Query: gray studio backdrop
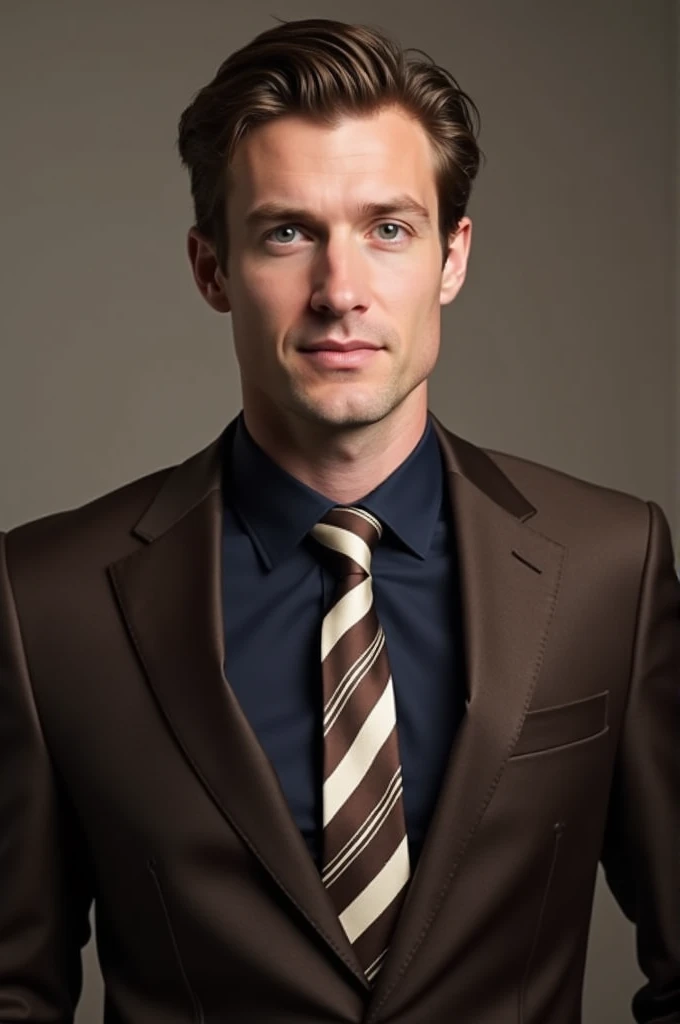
column 562, row 346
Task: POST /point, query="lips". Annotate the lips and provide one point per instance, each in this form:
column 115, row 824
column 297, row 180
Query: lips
column 327, row 345
column 345, row 356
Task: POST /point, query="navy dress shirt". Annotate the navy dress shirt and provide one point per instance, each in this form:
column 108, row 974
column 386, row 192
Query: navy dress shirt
column 275, row 594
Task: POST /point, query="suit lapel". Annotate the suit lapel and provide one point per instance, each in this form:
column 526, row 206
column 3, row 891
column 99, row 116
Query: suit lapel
column 169, row 592
column 509, row 580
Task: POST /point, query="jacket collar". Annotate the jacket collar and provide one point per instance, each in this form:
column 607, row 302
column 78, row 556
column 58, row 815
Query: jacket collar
column 169, row 592
column 193, row 480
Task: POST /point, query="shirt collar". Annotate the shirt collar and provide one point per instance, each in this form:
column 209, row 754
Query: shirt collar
column 277, row 510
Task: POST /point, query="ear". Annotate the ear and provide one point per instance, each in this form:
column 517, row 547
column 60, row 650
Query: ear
column 455, row 267
column 208, row 275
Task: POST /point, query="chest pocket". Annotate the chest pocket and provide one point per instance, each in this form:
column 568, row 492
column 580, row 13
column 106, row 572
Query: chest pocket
column 558, row 726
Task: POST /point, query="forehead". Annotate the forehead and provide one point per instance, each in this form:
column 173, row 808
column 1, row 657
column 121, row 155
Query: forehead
column 301, row 161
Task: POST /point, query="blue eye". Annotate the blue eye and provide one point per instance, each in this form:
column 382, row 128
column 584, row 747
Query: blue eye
column 284, row 235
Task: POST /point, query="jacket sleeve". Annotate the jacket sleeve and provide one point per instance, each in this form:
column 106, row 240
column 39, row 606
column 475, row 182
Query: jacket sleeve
column 44, row 887
column 641, row 855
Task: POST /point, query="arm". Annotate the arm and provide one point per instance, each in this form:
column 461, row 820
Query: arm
column 44, row 893
column 641, row 856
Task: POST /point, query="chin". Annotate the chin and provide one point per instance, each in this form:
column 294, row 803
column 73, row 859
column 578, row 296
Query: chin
column 347, row 413
column 353, row 404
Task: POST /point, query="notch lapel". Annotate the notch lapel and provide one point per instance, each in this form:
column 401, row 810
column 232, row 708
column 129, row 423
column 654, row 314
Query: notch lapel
column 509, row 581
column 169, row 592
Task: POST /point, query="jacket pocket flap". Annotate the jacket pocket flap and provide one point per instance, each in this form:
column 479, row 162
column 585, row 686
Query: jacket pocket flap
column 562, row 724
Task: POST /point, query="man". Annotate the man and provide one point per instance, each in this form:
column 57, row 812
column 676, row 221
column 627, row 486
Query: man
column 335, row 720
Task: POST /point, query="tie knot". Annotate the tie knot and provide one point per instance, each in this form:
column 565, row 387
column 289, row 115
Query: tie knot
column 350, row 535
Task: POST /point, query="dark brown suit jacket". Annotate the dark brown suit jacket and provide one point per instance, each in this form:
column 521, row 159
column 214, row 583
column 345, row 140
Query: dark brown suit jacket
column 129, row 774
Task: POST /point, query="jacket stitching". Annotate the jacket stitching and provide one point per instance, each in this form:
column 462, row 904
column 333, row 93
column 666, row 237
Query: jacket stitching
column 239, row 831
column 559, row 830
column 485, row 804
column 197, row 1008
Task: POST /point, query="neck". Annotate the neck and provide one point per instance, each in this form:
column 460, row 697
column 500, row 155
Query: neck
column 344, row 464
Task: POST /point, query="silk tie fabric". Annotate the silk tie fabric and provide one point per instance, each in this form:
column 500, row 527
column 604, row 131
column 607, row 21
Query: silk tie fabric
column 365, row 852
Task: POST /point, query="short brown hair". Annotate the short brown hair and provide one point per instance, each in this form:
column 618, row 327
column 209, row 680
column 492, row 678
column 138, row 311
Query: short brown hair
column 324, row 70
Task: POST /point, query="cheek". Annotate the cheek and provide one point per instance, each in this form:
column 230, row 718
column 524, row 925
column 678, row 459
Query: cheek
column 269, row 298
column 409, row 279
column 249, row 313
column 420, row 326
column 412, row 301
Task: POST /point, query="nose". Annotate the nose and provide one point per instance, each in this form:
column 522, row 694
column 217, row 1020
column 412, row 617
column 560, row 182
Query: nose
column 340, row 280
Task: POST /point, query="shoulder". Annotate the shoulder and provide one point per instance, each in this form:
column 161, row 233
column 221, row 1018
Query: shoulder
column 577, row 513
column 99, row 531
column 105, row 530
column 115, row 524
column 602, row 521
column 528, row 488
column 549, row 487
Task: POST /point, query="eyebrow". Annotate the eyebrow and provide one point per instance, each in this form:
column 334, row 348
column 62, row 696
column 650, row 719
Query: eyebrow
column 275, row 211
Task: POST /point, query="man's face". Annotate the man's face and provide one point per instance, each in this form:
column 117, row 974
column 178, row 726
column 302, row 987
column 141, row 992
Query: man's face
column 334, row 276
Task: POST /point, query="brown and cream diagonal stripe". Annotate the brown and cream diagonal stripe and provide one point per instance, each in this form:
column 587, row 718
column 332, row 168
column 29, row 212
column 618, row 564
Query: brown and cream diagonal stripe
column 365, row 852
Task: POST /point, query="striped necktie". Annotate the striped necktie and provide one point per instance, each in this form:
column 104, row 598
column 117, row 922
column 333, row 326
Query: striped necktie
column 365, row 852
